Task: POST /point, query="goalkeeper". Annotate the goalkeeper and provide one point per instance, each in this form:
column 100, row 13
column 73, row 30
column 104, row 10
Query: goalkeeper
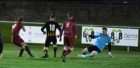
column 102, row 39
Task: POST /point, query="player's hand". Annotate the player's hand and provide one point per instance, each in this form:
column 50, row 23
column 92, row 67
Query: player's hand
column 44, row 32
column 110, row 54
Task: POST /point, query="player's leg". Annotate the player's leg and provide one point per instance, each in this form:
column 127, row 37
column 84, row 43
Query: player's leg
column 64, row 53
column 70, row 45
column 18, row 41
column 85, row 51
column 26, row 48
column 21, row 52
column 1, row 46
column 55, row 46
column 55, row 50
column 65, row 46
column 93, row 50
column 69, row 50
column 45, row 49
column 92, row 54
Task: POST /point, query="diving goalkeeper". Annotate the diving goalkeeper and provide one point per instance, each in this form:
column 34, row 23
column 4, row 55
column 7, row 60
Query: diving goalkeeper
column 102, row 39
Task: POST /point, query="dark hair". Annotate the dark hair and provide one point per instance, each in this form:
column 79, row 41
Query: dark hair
column 52, row 16
column 20, row 19
column 104, row 28
column 70, row 14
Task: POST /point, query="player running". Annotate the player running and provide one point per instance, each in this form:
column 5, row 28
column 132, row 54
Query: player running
column 50, row 27
column 17, row 40
column 1, row 45
column 69, row 28
column 99, row 45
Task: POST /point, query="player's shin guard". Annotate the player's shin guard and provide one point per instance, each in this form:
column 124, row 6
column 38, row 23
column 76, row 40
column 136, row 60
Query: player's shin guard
column 55, row 50
column 28, row 51
column 21, row 52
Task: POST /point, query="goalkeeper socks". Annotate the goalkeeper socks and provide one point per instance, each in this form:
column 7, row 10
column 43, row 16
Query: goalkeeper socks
column 55, row 49
column 21, row 52
column 28, row 51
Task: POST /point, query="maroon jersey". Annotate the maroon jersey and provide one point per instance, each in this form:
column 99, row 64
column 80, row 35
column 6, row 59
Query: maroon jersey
column 16, row 38
column 69, row 28
column 17, row 28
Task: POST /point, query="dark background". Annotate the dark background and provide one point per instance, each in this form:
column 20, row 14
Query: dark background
column 119, row 12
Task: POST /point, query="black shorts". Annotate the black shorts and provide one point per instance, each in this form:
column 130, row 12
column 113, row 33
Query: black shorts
column 49, row 40
column 93, row 48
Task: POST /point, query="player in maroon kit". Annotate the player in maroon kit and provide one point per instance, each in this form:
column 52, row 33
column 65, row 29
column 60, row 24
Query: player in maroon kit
column 69, row 27
column 17, row 40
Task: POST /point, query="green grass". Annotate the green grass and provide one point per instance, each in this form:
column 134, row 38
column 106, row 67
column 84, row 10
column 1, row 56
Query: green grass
column 121, row 59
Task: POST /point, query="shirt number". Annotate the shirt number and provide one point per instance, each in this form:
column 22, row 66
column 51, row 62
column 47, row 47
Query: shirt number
column 52, row 27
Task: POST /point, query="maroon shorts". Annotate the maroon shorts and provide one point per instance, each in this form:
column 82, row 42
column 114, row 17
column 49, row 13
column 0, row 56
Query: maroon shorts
column 18, row 40
column 68, row 41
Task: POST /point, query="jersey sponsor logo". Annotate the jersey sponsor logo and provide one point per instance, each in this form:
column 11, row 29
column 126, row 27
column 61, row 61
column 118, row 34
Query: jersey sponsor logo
column 67, row 24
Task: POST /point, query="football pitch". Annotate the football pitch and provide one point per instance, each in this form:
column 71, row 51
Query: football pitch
column 121, row 59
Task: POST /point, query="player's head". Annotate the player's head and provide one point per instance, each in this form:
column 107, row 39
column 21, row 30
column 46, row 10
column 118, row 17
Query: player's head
column 70, row 16
column 52, row 17
column 104, row 29
column 20, row 20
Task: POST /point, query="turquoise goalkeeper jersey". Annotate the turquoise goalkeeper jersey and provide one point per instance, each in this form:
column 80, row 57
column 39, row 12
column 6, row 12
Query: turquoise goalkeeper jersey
column 102, row 40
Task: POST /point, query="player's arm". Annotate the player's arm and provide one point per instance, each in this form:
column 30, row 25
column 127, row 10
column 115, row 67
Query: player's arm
column 93, row 36
column 61, row 32
column 63, row 27
column 43, row 27
column 58, row 26
column 23, row 28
